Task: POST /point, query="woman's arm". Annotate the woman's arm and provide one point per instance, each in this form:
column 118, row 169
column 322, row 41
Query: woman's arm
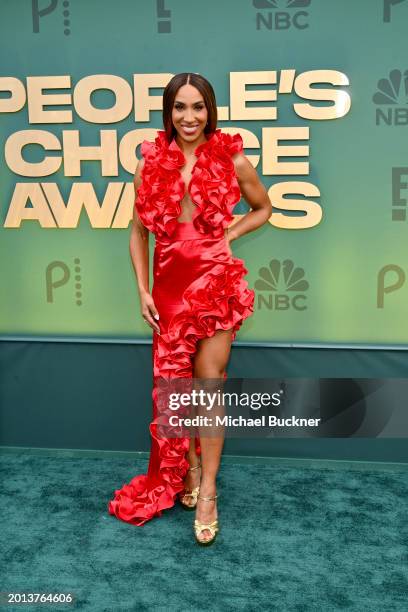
column 255, row 195
column 139, row 253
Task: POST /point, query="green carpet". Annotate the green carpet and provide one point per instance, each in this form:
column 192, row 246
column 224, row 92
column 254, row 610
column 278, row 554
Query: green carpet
column 292, row 538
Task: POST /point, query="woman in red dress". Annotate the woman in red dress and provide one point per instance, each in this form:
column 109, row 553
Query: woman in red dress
column 187, row 185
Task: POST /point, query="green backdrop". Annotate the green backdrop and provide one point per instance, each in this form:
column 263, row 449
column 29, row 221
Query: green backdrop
column 352, row 264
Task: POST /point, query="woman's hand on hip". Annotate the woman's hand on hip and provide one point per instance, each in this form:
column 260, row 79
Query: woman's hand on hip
column 228, row 240
column 149, row 311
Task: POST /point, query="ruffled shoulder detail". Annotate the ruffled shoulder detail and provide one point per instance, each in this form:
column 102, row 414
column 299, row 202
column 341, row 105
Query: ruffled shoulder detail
column 232, row 142
column 148, row 149
column 213, row 187
column 158, row 197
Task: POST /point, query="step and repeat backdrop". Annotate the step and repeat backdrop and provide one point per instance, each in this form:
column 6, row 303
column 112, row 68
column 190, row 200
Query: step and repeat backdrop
column 318, row 90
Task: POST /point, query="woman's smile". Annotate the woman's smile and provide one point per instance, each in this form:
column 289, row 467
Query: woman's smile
column 190, row 129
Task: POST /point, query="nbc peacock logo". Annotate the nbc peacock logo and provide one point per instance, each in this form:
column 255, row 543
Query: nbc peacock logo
column 278, row 17
column 281, row 286
column 391, row 98
column 280, row 3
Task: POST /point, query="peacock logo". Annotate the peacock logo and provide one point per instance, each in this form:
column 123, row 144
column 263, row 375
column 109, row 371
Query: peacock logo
column 392, row 92
column 281, row 286
column 278, row 17
column 280, row 4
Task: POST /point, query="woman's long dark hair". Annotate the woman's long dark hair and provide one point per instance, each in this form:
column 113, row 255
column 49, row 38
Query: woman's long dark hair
column 205, row 89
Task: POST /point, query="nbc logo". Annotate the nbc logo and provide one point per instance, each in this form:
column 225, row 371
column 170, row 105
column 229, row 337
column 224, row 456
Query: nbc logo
column 278, row 18
column 391, row 98
column 281, row 286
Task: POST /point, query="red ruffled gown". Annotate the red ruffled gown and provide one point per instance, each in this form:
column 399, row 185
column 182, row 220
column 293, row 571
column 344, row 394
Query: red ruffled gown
column 198, row 288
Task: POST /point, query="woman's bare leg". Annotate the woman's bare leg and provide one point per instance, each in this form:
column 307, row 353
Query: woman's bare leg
column 192, row 479
column 210, row 362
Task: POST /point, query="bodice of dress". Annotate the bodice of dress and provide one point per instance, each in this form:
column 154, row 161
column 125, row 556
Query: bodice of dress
column 213, row 187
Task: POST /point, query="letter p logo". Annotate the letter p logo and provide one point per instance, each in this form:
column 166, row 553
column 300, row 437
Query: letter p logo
column 53, row 283
column 37, row 13
column 384, row 287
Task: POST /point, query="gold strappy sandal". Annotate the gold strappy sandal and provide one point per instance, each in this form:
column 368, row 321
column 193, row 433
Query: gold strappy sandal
column 213, row 527
column 193, row 494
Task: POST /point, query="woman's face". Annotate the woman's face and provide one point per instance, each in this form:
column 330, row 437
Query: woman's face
column 189, row 113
